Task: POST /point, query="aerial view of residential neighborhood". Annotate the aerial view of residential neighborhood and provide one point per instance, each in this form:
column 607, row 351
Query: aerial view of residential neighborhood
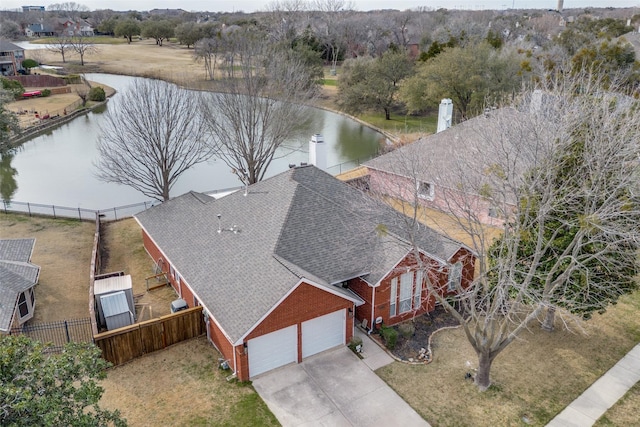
column 320, row 213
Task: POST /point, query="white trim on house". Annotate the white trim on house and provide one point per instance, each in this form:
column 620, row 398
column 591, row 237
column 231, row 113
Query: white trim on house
column 391, row 269
column 427, row 193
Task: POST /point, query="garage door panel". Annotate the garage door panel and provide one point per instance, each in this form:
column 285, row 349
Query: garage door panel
column 323, row 333
column 273, row 350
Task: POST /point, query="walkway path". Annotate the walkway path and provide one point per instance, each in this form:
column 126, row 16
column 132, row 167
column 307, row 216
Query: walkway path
column 603, row 394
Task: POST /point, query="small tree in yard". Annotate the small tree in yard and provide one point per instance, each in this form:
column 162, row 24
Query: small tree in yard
column 29, row 64
column 55, row 390
column 82, row 45
column 61, row 45
column 153, row 136
column 561, row 169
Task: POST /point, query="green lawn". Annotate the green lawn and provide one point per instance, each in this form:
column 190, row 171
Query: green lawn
column 401, row 123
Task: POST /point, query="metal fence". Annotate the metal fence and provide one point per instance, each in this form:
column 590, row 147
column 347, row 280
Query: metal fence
column 58, row 333
column 110, row 214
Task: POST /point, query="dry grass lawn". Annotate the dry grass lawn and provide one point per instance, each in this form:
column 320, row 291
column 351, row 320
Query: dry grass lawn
column 533, row 379
column 623, row 413
column 125, row 252
column 63, row 252
column 182, row 386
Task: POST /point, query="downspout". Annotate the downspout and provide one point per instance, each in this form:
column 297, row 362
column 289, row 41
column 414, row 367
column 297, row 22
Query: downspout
column 373, row 308
column 235, row 366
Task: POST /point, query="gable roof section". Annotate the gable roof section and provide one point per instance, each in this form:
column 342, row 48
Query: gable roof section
column 17, row 274
column 302, row 223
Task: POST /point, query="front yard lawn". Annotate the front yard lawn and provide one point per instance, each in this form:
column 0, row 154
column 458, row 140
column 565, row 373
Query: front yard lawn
column 533, row 379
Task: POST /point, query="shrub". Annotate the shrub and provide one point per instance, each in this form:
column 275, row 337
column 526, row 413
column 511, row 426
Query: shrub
column 354, row 343
column 97, row 94
column 390, row 336
column 407, row 329
column 46, row 92
column 72, row 79
column 13, row 86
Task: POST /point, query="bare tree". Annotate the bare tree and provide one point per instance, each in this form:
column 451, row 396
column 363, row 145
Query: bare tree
column 557, row 166
column 258, row 108
column 82, row 45
column 61, row 45
column 151, row 138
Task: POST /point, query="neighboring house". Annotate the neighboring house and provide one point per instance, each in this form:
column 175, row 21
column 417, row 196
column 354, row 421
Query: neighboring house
column 433, row 171
column 18, row 278
column 77, row 28
column 40, row 30
column 11, row 57
column 284, row 269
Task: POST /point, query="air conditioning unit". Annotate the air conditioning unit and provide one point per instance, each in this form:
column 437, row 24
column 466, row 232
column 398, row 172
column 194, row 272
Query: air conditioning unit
column 178, row 305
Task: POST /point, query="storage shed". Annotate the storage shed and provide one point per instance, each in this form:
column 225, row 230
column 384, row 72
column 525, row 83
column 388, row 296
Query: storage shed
column 111, row 285
column 116, row 310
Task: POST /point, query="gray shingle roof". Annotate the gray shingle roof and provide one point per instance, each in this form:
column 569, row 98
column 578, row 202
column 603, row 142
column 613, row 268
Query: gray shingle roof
column 300, row 223
column 6, row 46
column 17, row 274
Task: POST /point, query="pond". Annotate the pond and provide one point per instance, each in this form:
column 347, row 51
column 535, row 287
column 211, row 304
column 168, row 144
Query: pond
column 57, row 168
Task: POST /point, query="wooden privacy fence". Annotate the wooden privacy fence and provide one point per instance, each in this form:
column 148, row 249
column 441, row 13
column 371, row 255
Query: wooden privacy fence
column 124, row 344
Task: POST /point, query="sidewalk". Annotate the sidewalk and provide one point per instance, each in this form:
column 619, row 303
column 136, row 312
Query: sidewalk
column 603, row 394
column 372, row 355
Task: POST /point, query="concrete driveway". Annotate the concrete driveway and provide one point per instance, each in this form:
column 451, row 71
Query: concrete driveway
column 334, row 388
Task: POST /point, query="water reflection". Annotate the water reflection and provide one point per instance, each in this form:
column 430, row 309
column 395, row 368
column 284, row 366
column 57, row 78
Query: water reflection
column 57, row 168
column 8, row 183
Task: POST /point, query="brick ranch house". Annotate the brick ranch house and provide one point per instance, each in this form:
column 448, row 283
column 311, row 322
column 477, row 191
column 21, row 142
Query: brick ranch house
column 18, row 278
column 286, row 268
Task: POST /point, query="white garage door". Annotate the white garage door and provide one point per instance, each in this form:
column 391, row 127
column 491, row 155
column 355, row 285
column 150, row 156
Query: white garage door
column 273, row 350
column 323, row 333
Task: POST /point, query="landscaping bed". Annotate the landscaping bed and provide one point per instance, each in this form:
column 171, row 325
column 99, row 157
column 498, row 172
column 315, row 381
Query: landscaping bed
column 414, row 336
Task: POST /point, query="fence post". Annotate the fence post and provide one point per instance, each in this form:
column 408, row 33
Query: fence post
column 115, row 214
column 29, row 208
column 79, row 214
column 66, row 330
column 54, row 210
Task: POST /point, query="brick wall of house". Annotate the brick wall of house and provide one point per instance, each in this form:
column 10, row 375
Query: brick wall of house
column 444, row 199
column 364, row 291
column 158, row 258
column 305, row 303
column 221, row 342
column 427, row 304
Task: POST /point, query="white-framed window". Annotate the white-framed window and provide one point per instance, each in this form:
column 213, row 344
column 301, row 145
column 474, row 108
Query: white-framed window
column 417, row 292
column 26, row 302
column 455, row 276
column 394, row 297
column 425, row 190
column 406, row 292
column 23, row 307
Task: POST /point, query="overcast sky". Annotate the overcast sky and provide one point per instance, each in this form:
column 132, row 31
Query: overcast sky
column 255, row 5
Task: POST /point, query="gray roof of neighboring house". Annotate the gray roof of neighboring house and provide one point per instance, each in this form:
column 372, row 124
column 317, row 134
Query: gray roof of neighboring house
column 17, row 274
column 6, row 46
column 464, row 153
column 300, row 223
